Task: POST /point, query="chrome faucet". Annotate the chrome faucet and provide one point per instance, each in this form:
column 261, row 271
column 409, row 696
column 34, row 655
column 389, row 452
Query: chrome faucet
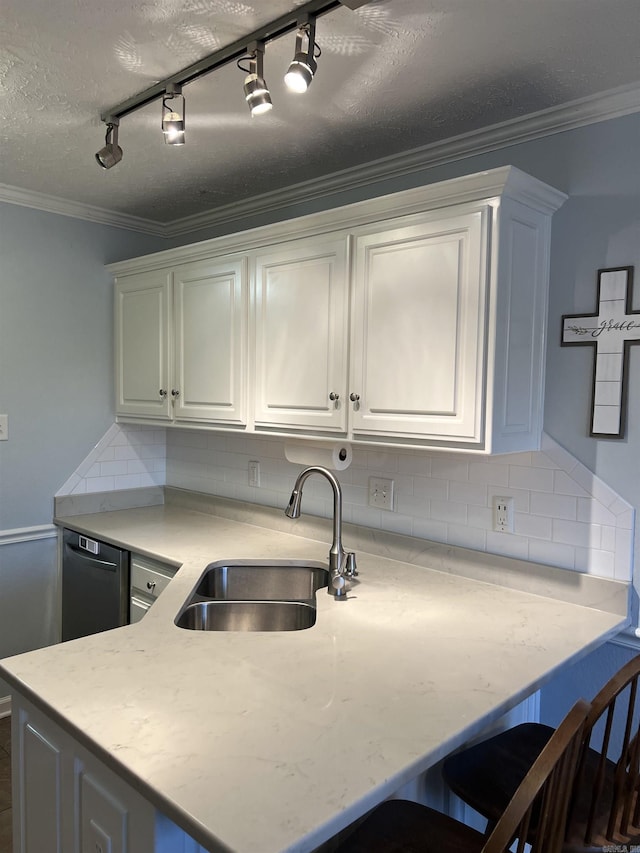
column 342, row 564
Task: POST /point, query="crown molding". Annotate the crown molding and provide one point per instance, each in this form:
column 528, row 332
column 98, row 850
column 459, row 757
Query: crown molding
column 77, row 210
column 574, row 114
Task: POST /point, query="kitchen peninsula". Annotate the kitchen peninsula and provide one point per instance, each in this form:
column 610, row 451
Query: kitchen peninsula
column 269, row 742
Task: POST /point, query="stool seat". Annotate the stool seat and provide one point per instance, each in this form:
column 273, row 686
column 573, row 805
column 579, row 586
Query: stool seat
column 487, row 774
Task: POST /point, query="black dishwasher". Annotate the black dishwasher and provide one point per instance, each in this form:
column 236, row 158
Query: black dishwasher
column 95, row 586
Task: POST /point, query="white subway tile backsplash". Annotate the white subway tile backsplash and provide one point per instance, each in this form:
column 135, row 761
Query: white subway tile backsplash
column 596, row 562
column 593, row 512
column 535, row 479
column 493, row 474
column 564, row 515
column 447, row 468
column 554, row 506
column 428, row 529
column 564, row 485
column 450, row 512
column 468, row 493
column 535, row 526
column 480, row 517
column 417, row 463
column 429, row 487
column 576, row 533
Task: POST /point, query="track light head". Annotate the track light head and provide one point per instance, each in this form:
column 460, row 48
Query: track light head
column 300, row 74
column 256, row 91
column 111, row 153
column 172, row 121
column 257, row 95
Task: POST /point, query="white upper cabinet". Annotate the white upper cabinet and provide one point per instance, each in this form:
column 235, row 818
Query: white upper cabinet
column 301, row 313
column 142, row 345
column 418, row 338
column 210, row 310
column 413, row 319
column 181, row 343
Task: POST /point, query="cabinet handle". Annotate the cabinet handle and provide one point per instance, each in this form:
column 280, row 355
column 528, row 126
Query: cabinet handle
column 355, row 398
column 163, row 392
column 334, row 396
column 175, row 393
column 151, row 585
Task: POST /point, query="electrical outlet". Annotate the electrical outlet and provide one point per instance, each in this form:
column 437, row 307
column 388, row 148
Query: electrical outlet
column 381, row 493
column 254, row 473
column 503, row 514
column 4, row 427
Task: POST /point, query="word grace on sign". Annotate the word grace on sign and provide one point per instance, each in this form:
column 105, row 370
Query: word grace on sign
column 611, row 331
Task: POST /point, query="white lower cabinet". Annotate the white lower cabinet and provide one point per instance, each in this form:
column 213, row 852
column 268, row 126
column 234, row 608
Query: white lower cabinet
column 65, row 799
column 414, row 319
column 148, row 579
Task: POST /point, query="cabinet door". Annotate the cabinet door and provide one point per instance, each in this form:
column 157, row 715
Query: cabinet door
column 417, row 357
column 142, row 345
column 301, row 330
column 210, row 311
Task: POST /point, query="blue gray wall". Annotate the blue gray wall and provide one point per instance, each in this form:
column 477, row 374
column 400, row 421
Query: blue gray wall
column 56, row 385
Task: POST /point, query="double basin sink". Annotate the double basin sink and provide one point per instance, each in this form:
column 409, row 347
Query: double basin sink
column 254, row 596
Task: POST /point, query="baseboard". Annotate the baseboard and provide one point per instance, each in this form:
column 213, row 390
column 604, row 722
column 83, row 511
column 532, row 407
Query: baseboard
column 5, row 706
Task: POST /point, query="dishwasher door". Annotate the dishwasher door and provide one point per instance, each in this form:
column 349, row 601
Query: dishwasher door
column 95, row 586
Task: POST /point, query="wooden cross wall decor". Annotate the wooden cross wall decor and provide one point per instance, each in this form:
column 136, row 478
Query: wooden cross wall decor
column 611, row 331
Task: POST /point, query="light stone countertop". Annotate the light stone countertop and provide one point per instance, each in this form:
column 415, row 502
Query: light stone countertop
column 270, row 742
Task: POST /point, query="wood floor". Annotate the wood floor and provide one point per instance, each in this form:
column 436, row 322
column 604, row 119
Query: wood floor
column 5, row 785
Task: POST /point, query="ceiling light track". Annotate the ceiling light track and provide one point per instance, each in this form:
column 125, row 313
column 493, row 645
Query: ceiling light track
column 231, row 53
column 249, row 50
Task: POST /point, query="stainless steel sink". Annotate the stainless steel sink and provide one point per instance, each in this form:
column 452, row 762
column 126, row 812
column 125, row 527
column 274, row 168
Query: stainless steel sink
column 264, row 581
column 247, row 595
column 247, row 616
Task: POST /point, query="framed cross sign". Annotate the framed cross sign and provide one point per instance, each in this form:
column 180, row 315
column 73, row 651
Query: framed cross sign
column 610, row 331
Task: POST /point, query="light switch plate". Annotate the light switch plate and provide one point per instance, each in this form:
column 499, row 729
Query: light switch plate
column 381, row 493
column 254, row 473
column 4, row 427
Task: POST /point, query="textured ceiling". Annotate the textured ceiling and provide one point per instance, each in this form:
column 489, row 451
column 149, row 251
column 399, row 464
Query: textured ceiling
column 393, row 75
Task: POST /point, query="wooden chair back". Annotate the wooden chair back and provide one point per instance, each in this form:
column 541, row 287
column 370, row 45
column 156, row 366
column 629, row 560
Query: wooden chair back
column 605, row 810
column 537, row 813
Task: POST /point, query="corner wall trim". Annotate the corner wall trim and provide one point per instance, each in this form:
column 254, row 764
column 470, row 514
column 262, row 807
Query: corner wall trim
column 28, row 534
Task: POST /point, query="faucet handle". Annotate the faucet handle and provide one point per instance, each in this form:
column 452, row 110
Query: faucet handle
column 350, row 567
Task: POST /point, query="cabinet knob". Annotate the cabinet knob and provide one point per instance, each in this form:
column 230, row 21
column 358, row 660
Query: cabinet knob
column 175, row 393
column 163, row 392
column 151, row 585
column 334, row 396
column 355, row 398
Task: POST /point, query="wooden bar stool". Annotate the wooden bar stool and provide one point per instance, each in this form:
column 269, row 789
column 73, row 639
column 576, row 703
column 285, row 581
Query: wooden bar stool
column 399, row 826
column 604, row 808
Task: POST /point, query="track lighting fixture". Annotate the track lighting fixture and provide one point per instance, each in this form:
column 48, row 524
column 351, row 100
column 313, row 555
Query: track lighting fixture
column 111, row 153
column 300, row 74
column 256, row 92
column 172, row 121
column 250, row 51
